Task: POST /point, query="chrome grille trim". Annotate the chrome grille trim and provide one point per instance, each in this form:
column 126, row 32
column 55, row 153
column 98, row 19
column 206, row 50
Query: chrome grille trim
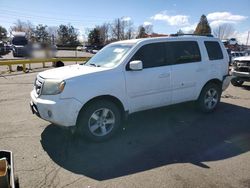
column 38, row 84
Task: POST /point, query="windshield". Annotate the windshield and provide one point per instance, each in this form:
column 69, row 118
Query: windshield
column 109, row 56
column 19, row 41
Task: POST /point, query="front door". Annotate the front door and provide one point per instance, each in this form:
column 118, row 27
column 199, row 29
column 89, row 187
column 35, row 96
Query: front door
column 151, row 86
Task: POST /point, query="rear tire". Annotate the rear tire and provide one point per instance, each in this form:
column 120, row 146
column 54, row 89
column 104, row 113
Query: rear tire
column 99, row 121
column 237, row 82
column 16, row 182
column 209, row 97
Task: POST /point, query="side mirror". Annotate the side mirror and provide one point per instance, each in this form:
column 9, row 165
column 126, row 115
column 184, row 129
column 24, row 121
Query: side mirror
column 135, row 65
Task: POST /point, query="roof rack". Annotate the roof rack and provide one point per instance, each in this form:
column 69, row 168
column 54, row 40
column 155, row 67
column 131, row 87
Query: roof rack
column 177, row 35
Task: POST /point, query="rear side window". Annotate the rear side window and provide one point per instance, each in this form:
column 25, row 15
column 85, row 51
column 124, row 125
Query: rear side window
column 152, row 55
column 213, row 50
column 183, row 52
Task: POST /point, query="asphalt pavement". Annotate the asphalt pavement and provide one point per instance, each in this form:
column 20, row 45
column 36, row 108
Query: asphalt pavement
column 175, row 146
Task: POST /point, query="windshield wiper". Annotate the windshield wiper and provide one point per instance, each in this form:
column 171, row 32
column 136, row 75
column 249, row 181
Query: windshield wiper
column 93, row 64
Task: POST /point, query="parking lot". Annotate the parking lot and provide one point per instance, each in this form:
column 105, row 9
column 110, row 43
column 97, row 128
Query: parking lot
column 176, row 146
column 37, row 67
column 60, row 53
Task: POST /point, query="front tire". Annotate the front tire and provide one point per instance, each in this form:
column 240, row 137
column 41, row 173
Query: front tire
column 237, row 82
column 99, row 121
column 209, row 97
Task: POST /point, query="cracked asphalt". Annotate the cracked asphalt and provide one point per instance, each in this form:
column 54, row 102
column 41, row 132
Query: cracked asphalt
column 176, row 146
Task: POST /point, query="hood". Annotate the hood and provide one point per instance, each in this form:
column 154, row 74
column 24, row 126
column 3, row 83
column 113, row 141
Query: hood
column 70, row 71
column 243, row 58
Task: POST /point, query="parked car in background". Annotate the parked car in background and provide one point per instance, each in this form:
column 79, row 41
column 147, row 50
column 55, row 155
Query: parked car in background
column 240, row 70
column 131, row 76
column 93, row 48
column 19, row 44
column 4, row 48
column 235, row 54
column 88, row 48
column 96, row 49
column 81, row 48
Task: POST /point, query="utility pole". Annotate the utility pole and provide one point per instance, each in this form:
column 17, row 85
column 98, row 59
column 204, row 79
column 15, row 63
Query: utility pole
column 118, row 29
column 53, row 39
column 247, row 37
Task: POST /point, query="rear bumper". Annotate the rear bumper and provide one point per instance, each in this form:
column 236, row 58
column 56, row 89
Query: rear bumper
column 226, row 82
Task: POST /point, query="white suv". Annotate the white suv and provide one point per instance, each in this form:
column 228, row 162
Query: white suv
column 130, row 76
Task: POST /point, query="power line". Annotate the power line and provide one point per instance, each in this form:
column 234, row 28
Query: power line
column 24, row 14
column 10, row 9
column 46, row 19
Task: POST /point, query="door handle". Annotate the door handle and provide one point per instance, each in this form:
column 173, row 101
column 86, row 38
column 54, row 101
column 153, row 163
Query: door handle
column 164, row 75
column 200, row 69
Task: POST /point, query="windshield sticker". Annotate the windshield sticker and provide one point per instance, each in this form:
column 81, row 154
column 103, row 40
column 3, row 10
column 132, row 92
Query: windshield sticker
column 118, row 50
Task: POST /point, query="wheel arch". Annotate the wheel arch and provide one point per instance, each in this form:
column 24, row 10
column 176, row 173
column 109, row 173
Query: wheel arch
column 214, row 81
column 110, row 98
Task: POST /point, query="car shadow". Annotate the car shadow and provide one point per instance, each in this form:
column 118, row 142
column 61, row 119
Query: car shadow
column 155, row 138
column 246, row 87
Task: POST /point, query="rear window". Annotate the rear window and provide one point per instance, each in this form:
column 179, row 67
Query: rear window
column 213, row 50
column 183, row 52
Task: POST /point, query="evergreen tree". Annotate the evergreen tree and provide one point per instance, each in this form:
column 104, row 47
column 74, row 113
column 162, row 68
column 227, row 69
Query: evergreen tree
column 41, row 34
column 3, row 33
column 180, row 32
column 94, row 37
column 67, row 36
column 203, row 27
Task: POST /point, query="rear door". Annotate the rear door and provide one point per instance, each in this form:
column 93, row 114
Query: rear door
column 187, row 70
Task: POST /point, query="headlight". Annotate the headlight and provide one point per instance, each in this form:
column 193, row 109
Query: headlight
column 235, row 63
column 52, row 87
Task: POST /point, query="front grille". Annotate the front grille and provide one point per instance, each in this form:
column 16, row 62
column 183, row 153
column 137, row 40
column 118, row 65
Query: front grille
column 244, row 69
column 38, row 84
column 243, row 66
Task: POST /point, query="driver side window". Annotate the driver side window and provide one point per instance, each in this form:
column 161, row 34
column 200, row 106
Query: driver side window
column 151, row 55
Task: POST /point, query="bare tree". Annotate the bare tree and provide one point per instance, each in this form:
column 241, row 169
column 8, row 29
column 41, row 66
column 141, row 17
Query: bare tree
column 122, row 29
column 148, row 29
column 224, row 31
column 27, row 27
column 19, row 26
column 52, row 30
column 117, row 29
column 141, row 32
column 104, row 33
column 129, row 29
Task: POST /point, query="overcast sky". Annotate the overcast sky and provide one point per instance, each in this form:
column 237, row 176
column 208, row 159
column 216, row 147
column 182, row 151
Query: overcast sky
column 166, row 16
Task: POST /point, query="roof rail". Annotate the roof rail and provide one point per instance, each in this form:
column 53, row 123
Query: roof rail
column 177, row 35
